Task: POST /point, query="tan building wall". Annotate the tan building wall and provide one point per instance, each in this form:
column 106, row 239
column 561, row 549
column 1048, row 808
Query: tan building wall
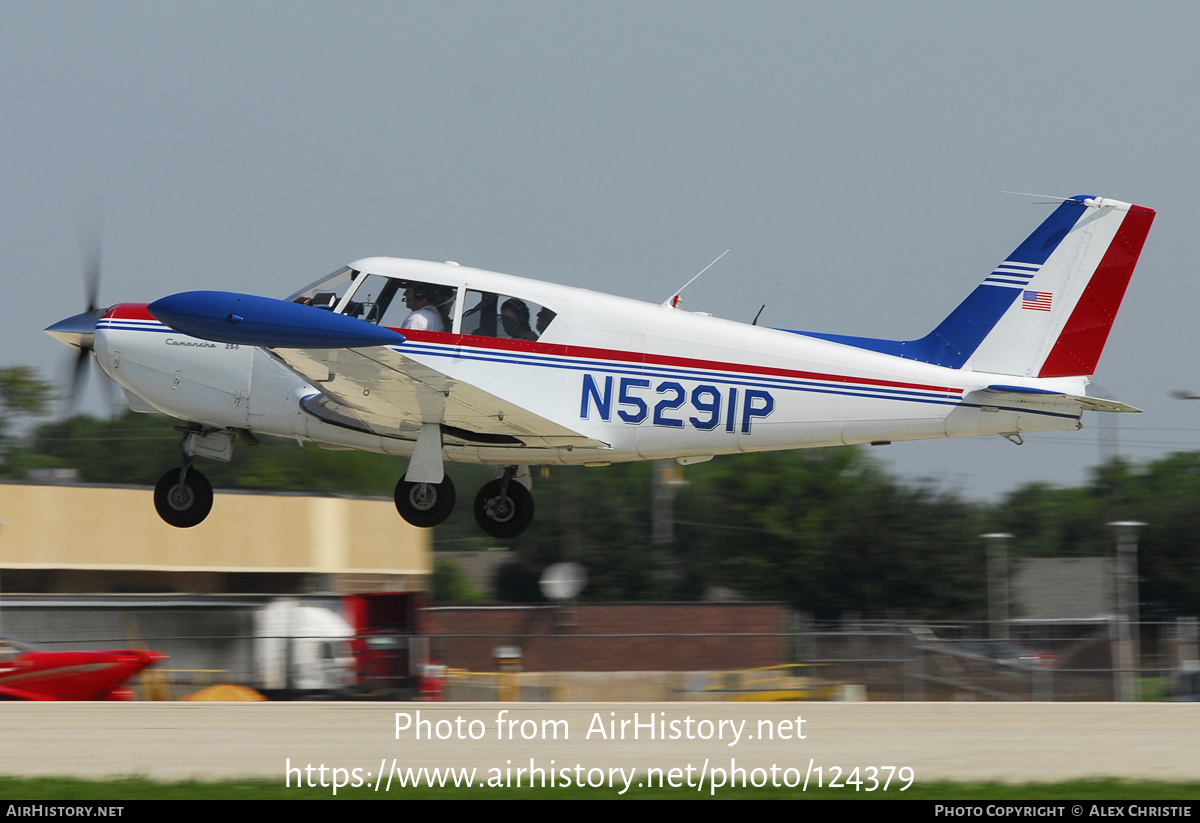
column 94, row 527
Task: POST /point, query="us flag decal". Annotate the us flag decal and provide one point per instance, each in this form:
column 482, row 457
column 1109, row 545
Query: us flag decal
column 1036, row 300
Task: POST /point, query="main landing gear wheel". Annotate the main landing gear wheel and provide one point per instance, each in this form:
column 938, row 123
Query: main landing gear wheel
column 502, row 512
column 185, row 504
column 425, row 505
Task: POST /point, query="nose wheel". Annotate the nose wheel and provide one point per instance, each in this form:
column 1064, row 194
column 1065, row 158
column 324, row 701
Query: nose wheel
column 183, row 498
column 504, row 508
column 425, row 505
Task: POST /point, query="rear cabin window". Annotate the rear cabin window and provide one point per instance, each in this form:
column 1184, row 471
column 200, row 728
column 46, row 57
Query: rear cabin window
column 488, row 314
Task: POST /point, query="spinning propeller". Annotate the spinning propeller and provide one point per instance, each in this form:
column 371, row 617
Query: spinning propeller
column 80, row 330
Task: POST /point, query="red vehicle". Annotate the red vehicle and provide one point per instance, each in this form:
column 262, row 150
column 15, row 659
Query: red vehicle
column 389, row 645
column 28, row 672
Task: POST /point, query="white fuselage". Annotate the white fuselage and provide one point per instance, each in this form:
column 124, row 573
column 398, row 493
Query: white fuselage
column 633, row 380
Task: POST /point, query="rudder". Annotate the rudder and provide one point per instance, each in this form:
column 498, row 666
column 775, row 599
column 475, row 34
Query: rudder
column 1059, row 291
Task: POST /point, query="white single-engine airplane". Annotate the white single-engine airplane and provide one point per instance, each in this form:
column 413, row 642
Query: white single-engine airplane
column 444, row 362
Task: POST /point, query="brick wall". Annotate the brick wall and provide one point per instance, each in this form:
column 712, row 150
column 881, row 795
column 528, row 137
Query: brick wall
column 612, row 637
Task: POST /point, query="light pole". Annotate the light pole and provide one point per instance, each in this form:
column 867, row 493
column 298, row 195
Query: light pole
column 664, row 482
column 997, row 582
column 1129, row 659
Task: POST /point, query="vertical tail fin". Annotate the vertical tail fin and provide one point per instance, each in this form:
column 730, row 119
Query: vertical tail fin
column 1047, row 309
column 1049, row 306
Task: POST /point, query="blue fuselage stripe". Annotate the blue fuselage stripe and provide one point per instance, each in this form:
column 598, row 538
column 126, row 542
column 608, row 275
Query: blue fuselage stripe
column 412, row 348
column 650, row 370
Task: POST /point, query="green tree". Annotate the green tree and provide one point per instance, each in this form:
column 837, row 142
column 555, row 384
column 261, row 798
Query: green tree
column 826, row 530
column 138, row 448
column 22, row 394
column 823, row 529
column 451, row 585
column 599, row 517
column 1047, row 521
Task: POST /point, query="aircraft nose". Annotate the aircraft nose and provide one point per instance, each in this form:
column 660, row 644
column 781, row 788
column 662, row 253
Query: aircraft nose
column 78, row 331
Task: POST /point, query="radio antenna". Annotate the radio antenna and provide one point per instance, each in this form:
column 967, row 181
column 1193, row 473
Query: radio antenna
column 673, row 300
column 1050, row 199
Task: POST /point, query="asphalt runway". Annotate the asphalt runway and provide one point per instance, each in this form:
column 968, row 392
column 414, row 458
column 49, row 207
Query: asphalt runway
column 1013, row 742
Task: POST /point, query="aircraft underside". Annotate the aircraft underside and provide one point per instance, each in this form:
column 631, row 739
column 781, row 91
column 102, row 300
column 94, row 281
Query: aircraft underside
column 504, row 507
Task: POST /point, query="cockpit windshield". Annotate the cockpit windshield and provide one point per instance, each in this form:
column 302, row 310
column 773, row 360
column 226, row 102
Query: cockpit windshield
column 400, row 303
column 327, row 292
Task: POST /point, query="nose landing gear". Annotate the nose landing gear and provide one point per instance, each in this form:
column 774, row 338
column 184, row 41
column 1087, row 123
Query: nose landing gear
column 183, row 497
column 425, row 505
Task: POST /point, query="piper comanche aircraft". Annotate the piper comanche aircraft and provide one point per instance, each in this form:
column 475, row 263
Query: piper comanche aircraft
column 442, row 362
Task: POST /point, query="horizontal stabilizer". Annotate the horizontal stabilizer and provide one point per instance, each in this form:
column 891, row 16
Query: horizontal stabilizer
column 1019, row 394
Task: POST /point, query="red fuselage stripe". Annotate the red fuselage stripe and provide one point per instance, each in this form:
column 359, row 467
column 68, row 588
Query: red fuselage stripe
column 138, row 311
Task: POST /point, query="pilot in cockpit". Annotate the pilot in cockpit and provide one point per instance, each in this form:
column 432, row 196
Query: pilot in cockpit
column 430, row 306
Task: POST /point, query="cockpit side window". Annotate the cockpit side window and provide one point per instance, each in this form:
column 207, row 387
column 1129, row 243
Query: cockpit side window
column 402, row 304
column 488, row 314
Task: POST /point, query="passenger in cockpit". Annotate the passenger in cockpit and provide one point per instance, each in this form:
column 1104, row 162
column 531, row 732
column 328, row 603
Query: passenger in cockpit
column 514, row 314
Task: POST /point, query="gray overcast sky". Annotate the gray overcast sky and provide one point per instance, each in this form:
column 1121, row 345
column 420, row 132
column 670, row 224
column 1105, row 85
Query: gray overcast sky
column 852, row 156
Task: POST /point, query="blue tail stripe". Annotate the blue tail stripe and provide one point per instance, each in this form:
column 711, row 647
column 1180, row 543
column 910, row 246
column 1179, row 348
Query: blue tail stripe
column 953, row 342
column 957, row 337
column 1038, row 246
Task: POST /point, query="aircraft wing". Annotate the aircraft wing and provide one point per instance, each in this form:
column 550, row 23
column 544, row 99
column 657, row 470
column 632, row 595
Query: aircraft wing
column 367, row 380
column 392, row 392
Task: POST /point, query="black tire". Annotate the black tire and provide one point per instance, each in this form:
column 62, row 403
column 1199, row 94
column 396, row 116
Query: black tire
column 183, row 506
column 425, row 505
column 507, row 517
